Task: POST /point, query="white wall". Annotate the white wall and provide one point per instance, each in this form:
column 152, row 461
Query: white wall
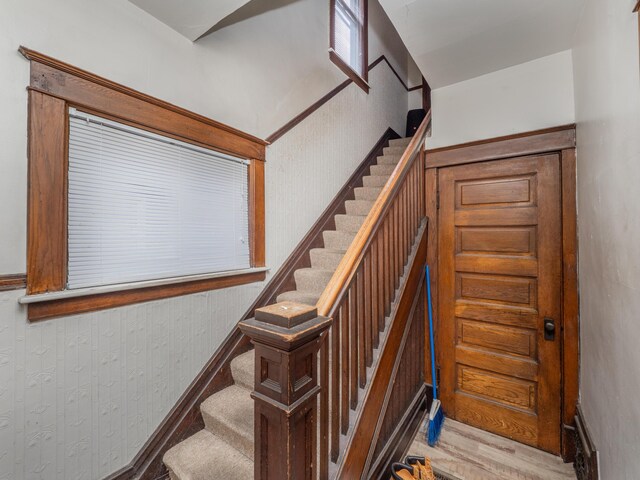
column 254, row 75
column 607, row 98
column 80, row 395
column 530, row 96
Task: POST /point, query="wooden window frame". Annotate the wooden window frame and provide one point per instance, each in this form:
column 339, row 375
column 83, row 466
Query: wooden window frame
column 359, row 78
column 55, row 87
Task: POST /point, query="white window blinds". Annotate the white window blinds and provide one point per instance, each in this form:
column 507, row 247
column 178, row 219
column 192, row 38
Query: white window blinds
column 142, row 206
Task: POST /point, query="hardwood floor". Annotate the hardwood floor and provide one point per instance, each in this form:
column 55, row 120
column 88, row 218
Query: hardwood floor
column 467, row 453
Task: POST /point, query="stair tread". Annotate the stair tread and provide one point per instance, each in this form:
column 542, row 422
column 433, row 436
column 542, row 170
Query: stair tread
column 229, row 414
column 328, row 250
column 205, row 456
column 306, row 298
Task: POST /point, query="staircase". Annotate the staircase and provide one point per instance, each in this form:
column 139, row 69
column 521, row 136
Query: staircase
column 224, row 449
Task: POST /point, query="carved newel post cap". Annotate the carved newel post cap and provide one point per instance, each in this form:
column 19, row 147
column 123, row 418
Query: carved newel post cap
column 286, row 314
column 285, row 325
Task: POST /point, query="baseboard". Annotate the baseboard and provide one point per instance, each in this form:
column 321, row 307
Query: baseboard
column 398, row 445
column 184, row 419
column 586, row 462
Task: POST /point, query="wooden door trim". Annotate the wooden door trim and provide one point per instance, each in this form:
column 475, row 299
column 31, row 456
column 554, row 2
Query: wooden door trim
column 570, row 298
column 570, row 303
column 535, row 142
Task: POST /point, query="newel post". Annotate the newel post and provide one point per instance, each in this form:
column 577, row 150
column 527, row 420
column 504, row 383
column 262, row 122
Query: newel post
column 286, row 337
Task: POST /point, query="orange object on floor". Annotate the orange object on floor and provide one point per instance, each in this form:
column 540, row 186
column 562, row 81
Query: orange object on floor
column 417, row 468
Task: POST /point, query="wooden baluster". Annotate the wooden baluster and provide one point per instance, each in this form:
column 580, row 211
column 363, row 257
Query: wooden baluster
column 287, row 337
column 419, row 174
column 353, row 345
column 344, row 363
column 414, row 202
column 374, row 293
column 416, row 198
column 423, row 200
column 387, row 266
column 396, row 250
column 405, row 224
column 380, row 274
column 323, row 466
column 410, row 213
column 334, row 415
column 362, row 364
column 366, row 298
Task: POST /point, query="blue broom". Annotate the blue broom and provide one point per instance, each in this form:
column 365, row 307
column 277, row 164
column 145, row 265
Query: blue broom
column 436, row 415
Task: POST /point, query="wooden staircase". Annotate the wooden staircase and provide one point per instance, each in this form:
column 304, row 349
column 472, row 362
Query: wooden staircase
column 378, row 236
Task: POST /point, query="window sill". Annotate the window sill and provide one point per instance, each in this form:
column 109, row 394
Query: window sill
column 348, row 71
column 82, row 300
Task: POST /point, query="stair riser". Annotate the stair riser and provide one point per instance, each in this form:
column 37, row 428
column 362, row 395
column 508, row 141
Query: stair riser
column 243, row 370
column 393, row 150
column 305, row 298
column 335, row 240
column 388, row 160
column 382, row 169
column 367, row 193
column 349, row 223
column 325, row 259
column 312, row 280
column 375, row 180
column 357, row 207
column 240, row 440
column 400, row 142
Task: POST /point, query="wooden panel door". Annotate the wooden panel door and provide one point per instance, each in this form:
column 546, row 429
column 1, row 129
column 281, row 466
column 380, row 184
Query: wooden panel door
column 499, row 285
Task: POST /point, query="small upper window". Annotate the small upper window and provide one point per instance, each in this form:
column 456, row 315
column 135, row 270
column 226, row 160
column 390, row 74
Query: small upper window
column 349, row 39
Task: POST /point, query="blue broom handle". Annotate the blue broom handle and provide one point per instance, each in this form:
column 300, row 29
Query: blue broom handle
column 433, row 344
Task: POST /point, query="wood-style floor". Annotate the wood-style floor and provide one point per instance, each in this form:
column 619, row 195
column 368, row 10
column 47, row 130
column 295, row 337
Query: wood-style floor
column 466, row 453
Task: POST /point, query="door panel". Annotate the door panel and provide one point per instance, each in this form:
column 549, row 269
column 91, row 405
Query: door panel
column 499, row 278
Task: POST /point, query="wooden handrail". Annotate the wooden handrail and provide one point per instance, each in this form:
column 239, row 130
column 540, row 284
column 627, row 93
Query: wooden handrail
column 352, row 258
column 361, row 299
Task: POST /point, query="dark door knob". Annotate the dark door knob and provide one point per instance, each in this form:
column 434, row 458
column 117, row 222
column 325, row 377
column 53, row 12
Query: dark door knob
column 549, row 329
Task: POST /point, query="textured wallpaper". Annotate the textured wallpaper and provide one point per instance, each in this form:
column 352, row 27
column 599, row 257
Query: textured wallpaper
column 80, row 395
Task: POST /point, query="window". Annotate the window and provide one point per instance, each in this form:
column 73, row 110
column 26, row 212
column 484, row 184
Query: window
column 143, row 206
column 349, row 39
column 131, row 198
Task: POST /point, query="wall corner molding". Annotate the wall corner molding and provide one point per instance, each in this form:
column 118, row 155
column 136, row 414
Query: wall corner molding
column 586, row 464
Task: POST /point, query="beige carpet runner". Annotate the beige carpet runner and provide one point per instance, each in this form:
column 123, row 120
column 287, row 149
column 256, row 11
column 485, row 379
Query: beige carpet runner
column 224, row 449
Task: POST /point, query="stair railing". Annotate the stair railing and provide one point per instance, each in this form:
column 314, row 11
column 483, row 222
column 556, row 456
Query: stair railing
column 361, row 294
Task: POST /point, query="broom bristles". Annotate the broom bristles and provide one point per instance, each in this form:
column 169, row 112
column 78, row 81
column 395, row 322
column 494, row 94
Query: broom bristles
column 436, row 419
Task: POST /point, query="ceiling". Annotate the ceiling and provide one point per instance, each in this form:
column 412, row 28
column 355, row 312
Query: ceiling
column 455, row 40
column 192, row 18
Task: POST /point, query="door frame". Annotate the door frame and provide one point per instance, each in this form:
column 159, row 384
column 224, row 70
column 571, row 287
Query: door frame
column 561, row 140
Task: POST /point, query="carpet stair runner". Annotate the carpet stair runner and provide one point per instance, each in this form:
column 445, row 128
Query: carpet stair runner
column 224, row 448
